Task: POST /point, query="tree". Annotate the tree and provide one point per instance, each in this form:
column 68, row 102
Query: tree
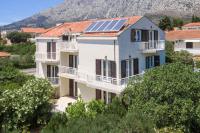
column 166, row 23
column 169, row 95
column 183, row 57
column 169, row 48
column 177, row 22
column 195, row 19
column 18, row 37
column 26, row 107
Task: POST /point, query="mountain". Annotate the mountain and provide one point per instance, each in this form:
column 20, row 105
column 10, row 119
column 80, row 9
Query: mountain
column 74, row 10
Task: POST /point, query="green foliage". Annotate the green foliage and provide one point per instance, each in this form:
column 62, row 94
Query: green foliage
column 166, row 23
column 195, row 19
column 57, row 120
column 169, row 95
column 22, row 54
column 181, row 56
column 18, row 37
column 83, row 110
column 26, row 107
column 177, row 22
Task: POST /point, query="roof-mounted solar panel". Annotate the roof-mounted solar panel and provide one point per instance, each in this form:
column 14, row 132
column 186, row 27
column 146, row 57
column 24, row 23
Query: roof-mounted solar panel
column 119, row 25
column 106, row 26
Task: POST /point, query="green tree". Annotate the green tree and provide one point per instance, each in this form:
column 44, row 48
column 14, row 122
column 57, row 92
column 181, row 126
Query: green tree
column 26, row 107
column 170, row 96
column 183, row 57
column 195, row 19
column 166, row 23
column 177, row 22
column 18, row 37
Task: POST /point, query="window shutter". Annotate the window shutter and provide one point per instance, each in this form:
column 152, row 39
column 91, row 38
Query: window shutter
column 98, row 94
column 136, row 66
column 133, row 34
column 157, row 60
column 56, row 71
column 98, row 67
column 48, row 71
column 71, row 87
column 156, row 35
column 123, row 68
column 71, row 62
column 145, row 35
column 113, row 69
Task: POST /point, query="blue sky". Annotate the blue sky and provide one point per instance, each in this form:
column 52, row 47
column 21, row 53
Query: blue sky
column 15, row 10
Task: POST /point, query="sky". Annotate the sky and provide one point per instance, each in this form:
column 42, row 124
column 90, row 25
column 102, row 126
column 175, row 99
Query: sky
column 15, row 10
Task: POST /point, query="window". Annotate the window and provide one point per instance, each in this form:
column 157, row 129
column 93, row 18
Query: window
column 135, row 35
column 157, row 60
column 189, row 45
column 51, row 50
column 73, row 61
column 106, row 68
column 73, row 88
column 66, row 38
column 145, row 35
column 149, row 62
column 52, row 71
column 129, row 67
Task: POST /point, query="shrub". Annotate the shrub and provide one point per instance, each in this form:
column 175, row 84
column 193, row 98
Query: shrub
column 169, row 94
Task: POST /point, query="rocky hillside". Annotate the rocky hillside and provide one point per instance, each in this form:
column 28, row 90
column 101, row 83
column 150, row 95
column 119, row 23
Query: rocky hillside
column 73, row 10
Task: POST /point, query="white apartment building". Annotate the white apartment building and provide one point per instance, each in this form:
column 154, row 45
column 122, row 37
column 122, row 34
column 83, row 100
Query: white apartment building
column 95, row 59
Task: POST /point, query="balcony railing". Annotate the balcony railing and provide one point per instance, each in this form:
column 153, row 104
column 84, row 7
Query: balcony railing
column 68, row 70
column 49, row 56
column 69, row 46
column 53, row 80
column 152, row 46
column 96, row 79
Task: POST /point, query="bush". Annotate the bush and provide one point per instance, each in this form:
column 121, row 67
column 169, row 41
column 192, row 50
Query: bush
column 170, row 96
column 18, row 37
column 26, row 107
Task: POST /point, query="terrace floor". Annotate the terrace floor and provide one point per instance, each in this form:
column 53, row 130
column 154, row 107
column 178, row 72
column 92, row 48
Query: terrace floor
column 62, row 103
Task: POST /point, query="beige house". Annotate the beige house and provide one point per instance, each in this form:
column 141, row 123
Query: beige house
column 95, row 59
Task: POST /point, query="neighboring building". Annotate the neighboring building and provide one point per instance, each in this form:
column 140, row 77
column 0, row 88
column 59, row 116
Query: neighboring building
column 95, row 59
column 4, row 55
column 34, row 32
column 192, row 26
column 188, row 40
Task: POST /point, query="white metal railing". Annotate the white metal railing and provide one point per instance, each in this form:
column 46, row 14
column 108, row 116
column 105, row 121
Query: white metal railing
column 68, row 70
column 151, row 45
column 69, row 46
column 48, row 56
column 53, row 80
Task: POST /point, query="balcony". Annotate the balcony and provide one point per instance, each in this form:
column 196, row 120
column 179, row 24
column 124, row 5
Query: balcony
column 97, row 81
column 47, row 57
column 152, row 47
column 70, row 47
column 68, row 72
column 53, row 80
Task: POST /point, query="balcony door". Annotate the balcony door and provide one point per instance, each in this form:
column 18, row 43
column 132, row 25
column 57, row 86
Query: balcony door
column 51, row 50
column 105, row 69
column 129, row 67
column 73, row 61
column 73, row 88
column 52, row 73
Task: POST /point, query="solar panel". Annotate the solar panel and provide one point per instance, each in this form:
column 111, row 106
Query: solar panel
column 99, row 23
column 102, row 27
column 90, row 27
column 119, row 25
column 106, row 26
column 111, row 25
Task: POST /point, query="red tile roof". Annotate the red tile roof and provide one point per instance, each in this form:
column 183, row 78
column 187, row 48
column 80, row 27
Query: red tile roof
column 33, row 30
column 192, row 24
column 79, row 27
column 182, row 35
column 73, row 27
column 4, row 54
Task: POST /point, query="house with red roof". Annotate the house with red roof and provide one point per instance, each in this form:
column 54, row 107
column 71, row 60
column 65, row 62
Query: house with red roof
column 4, row 54
column 96, row 58
column 186, row 39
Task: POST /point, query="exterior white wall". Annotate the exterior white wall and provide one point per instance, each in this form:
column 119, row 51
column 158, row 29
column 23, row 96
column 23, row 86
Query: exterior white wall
column 181, row 45
column 128, row 48
column 86, row 93
column 90, row 50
